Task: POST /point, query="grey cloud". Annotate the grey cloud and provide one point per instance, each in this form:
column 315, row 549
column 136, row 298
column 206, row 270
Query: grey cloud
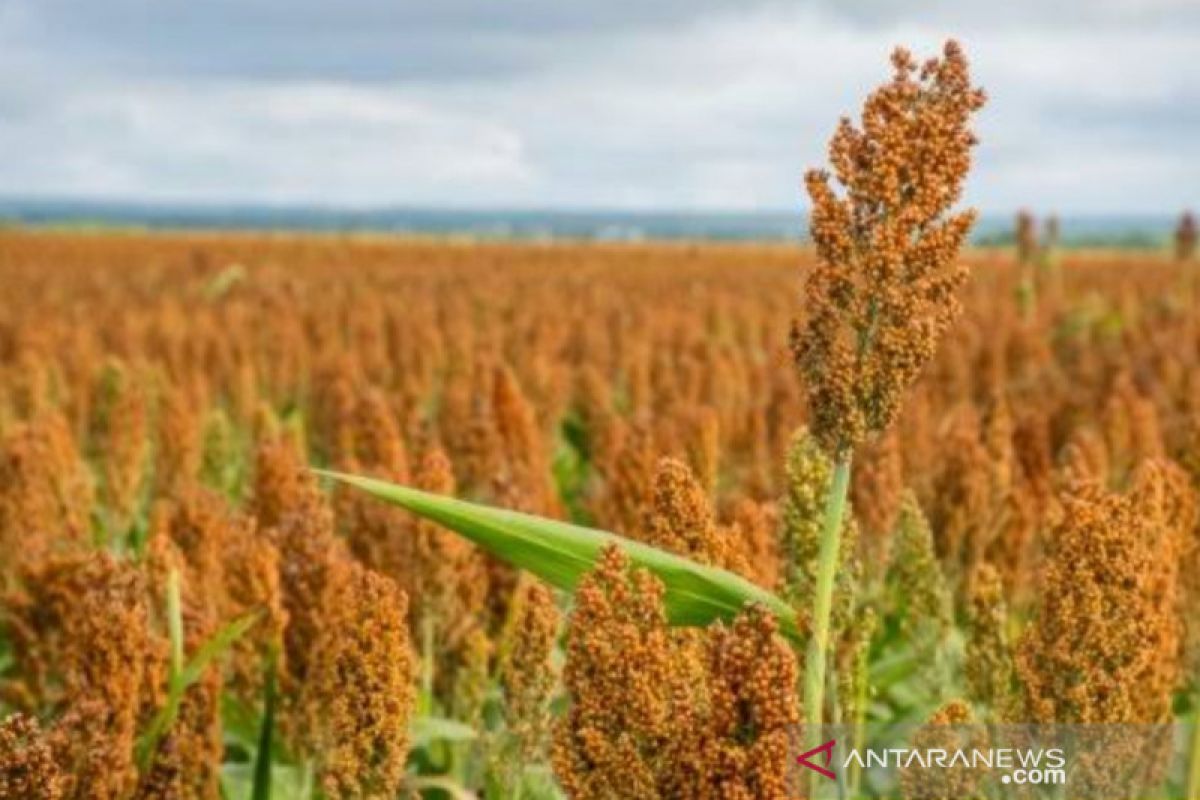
column 683, row 103
column 316, row 39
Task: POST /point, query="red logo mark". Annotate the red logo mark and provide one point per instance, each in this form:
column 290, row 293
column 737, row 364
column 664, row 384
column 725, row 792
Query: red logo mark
column 827, row 749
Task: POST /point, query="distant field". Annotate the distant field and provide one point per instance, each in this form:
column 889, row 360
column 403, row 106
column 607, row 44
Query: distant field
column 162, row 395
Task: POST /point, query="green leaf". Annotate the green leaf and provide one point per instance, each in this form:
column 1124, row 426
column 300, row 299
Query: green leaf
column 439, row 784
column 182, row 680
column 425, row 730
column 561, row 553
column 215, row 647
column 262, row 758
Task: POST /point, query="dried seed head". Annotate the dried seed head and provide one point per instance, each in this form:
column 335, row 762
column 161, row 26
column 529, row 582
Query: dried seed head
column 253, row 583
column 122, row 428
column 179, row 451
column 920, row 593
column 526, row 467
column 948, row 730
column 1085, row 458
column 742, row 747
column 526, row 668
column 447, row 576
column 1132, row 428
column 809, row 475
column 1101, row 639
column 877, row 492
column 681, row 520
column 45, row 493
column 282, row 483
column 198, row 522
column 626, row 459
column 472, row 677
column 754, row 528
column 359, row 694
column 378, row 443
column 882, row 292
column 97, row 665
column 28, row 769
column 1165, row 498
column 624, row 682
column 703, row 443
column 295, row 516
column 989, row 657
column 966, row 496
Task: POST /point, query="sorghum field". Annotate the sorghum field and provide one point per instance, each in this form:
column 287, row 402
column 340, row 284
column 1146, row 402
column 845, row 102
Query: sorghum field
column 188, row 611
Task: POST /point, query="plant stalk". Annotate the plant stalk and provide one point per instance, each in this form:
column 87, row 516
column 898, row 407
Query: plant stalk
column 427, row 666
column 1193, row 784
column 261, row 789
column 827, row 563
column 175, row 623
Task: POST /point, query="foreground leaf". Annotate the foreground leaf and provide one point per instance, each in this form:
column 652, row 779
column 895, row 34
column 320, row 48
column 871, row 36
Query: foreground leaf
column 561, row 553
column 184, row 676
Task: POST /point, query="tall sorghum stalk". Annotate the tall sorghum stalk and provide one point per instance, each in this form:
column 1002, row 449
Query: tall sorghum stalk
column 1185, row 237
column 1027, row 256
column 882, row 291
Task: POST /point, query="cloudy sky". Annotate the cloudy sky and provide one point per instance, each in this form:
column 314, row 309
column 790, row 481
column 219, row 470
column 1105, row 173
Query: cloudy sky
column 677, row 104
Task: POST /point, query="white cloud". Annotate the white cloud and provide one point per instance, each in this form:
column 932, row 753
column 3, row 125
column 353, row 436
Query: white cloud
column 302, row 143
column 1089, row 111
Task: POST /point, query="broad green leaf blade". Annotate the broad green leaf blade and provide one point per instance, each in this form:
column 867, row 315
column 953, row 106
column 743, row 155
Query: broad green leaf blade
column 560, row 553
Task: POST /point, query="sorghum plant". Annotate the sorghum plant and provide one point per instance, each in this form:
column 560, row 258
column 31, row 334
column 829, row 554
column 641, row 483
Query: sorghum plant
column 1185, row 237
column 883, row 289
column 358, row 694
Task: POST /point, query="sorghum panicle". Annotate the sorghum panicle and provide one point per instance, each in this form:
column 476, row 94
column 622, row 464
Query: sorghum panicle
column 96, row 665
column 809, row 474
column 882, row 292
column 876, row 494
column 681, row 520
column 295, row 516
column 253, row 584
column 28, row 769
column 950, row 729
column 45, row 493
column 989, row 657
column 754, row 528
column 526, row 668
column 1094, row 653
column 744, row 743
column 179, row 449
column 920, row 587
column 122, row 426
column 625, row 684
column 359, row 693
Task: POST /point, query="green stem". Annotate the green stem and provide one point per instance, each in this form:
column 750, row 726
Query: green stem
column 827, row 563
column 861, row 679
column 1193, row 784
column 175, row 623
column 262, row 759
column 427, row 666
